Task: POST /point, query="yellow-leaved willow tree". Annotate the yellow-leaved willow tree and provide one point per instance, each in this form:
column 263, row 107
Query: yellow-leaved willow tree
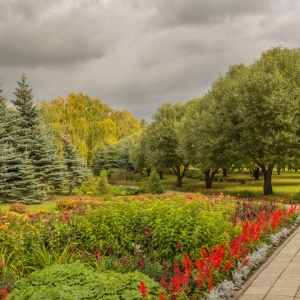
column 88, row 122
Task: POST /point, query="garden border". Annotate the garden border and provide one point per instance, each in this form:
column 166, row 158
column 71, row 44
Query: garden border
column 265, row 264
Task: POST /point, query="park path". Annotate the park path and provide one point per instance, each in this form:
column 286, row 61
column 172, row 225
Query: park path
column 279, row 277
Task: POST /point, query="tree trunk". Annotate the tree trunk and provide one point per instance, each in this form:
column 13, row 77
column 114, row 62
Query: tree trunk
column 278, row 171
column 268, row 190
column 180, row 175
column 148, row 170
column 224, row 172
column 160, row 175
column 256, row 173
column 209, row 178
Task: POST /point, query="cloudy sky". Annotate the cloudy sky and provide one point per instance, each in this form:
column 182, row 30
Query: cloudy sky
column 136, row 54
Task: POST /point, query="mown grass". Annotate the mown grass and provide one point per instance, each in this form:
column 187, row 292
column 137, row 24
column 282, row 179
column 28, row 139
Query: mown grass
column 285, row 186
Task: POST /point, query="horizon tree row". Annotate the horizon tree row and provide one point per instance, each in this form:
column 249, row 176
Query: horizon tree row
column 249, row 117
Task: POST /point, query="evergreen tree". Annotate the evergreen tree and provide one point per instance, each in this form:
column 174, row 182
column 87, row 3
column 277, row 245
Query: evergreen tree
column 154, row 184
column 29, row 188
column 27, row 118
column 103, row 183
column 7, row 121
column 47, row 163
column 10, row 162
column 104, row 159
column 75, row 171
column 2, row 101
column 122, row 154
column 25, row 130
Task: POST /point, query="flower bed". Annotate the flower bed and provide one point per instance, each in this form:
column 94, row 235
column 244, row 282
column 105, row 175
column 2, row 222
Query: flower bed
column 187, row 242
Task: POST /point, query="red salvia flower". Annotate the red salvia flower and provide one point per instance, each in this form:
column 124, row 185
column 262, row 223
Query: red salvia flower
column 161, row 296
column 143, row 288
column 210, row 283
column 164, row 283
column 4, row 294
column 227, row 266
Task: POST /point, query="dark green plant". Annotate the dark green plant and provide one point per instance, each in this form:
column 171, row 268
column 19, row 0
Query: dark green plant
column 75, row 172
column 103, row 185
column 154, row 184
column 75, row 281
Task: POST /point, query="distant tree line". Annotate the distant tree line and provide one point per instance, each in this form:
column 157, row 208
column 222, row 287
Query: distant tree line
column 249, row 118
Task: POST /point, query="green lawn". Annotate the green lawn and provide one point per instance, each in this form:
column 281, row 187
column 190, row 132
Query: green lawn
column 285, row 185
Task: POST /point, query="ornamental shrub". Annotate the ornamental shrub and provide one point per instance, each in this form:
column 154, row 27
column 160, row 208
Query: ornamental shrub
column 18, row 207
column 154, row 185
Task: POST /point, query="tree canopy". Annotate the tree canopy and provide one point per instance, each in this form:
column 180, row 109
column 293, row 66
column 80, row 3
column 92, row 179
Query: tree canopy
column 88, row 122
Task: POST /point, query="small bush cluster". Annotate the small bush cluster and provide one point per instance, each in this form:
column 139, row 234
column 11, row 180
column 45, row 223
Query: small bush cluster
column 79, row 203
column 18, row 207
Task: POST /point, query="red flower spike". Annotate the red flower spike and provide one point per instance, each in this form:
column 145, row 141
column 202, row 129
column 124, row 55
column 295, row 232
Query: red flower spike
column 143, row 288
column 227, row 266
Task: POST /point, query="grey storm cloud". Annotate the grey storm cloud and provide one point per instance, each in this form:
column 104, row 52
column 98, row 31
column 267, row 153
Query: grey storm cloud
column 136, row 54
column 35, row 32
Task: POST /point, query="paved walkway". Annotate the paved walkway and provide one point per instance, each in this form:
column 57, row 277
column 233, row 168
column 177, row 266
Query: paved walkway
column 279, row 277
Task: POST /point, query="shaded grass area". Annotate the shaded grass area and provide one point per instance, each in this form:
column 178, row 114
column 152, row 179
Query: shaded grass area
column 287, row 184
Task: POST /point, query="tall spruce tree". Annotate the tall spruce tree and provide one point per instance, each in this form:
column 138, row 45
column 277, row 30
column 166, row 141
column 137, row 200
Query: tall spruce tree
column 76, row 173
column 10, row 162
column 29, row 187
column 9, row 159
column 25, row 130
column 27, row 119
column 47, row 163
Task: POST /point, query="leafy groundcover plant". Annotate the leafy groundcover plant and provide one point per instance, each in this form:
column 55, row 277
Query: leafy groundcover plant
column 75, row 281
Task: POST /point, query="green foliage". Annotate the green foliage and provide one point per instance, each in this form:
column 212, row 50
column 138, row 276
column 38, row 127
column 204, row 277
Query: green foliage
column 29, row 187
column 29, row 166
column 103, row 183
column 75, row 281
column 162, row 141
column 88, row 187
column 124, row 175
column 89, row 122
column 193, row 174
column 250, row 116
column 112, row 156
column 75, row 171
column 121, row 225
column 154, row 184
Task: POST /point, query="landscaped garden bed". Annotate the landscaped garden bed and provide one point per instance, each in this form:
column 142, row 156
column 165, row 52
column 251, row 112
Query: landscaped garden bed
column 173, row 246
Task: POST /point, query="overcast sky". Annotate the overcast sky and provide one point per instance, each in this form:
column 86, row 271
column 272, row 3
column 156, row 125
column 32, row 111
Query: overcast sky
column 136, row 54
